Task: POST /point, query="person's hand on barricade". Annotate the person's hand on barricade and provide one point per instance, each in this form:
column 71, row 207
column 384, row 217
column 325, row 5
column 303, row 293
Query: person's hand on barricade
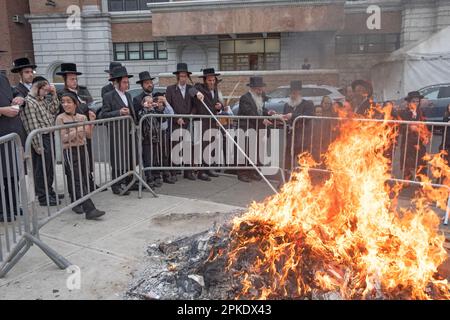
column 124, row 112
column 272, row 113
column 287, row 117
column 10, row 112
column 267, row 122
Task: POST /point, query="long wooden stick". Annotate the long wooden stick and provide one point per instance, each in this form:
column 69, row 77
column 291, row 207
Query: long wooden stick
column 232, row 92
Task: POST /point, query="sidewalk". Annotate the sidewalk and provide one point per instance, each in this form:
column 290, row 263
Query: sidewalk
column 110, row 251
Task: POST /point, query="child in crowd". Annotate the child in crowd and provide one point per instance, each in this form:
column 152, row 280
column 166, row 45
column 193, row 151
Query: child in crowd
column 75, row 155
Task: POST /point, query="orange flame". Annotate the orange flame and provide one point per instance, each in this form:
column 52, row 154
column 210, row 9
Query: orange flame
column 346, row 235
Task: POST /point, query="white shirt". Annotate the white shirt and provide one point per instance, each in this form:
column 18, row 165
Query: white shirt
column 28, row 85
column 183, row 90
column 123, row 97
column 212, row 94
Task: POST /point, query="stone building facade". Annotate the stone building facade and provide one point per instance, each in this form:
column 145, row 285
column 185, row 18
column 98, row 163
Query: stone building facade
column 239, row 38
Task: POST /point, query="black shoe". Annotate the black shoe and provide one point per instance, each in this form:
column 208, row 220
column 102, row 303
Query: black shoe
column 256, row 177
column 158, row 182
column 203, row 176
column 118, row 190
column 52, row 202
column 94, row 214
column 78, row 209
column 212, row 173
column 169, row 180
column 190, row 176
column 244, row 178
column 134, row 187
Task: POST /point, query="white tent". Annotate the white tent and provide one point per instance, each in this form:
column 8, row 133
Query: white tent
column 413, row 67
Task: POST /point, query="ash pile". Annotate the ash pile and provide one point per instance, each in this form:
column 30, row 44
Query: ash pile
column 184, row 269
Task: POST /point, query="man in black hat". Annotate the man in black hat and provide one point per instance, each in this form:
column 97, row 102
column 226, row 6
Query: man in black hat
column 362, row 97
column 414, row 138
column 146, row 82
column 182, row 102
column 70, row 75
column 212, row 100
column 118, row 103
column 10, row 122
column 25, row 69
column 110, row 87
column 294, row 108
column 253, row 104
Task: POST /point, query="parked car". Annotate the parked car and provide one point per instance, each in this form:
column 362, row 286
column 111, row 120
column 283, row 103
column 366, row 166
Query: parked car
column 315, row 93
column 435, row 102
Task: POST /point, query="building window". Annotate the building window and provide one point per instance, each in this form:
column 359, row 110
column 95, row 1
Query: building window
column 130, row 5
column 250, row 54
column 367, row 43
column 156, row 50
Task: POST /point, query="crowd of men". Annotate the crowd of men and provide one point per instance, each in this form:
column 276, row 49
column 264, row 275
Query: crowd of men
column 35, row 104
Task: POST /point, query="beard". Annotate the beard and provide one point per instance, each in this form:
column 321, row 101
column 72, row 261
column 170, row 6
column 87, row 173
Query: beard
column 293, row 102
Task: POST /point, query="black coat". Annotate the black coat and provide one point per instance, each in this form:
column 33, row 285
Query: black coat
column 211, row 102
column 108, row 88
column 247, row 107
column 8, row 125
column 303, row 128
column 179, row 104
column 119, row 133
column 412, row 147
column 137, row 102
column 20, row 91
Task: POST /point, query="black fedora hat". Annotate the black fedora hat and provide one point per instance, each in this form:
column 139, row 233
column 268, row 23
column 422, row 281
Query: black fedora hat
column 296, row 85
column 113, row 65
column 119, row 72
column 68, row 68
column 22, row 63
column 256, row 82
column 365, row 84
column 144, row 76
column 209, row 72
column 414, row 94
column 182, row 67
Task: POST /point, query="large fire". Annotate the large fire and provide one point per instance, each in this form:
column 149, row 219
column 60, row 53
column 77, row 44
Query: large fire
column 346, row 235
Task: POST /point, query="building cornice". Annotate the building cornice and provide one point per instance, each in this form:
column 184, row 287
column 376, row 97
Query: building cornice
column 131, row 16
column 231, row 4
column 362, row 5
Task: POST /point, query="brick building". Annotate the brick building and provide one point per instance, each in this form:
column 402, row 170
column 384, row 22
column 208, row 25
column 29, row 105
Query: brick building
column 237, row 37
column 15, row 35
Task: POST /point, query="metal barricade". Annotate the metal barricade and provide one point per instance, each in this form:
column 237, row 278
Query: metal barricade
column 88, row 165
column 413, row 141
column 17, row 234
column 198, row 142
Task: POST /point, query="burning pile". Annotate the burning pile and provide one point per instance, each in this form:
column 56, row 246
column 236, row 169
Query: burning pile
column 346, row 236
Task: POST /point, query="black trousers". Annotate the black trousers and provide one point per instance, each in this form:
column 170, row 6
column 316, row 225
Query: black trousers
column 121, row 158
column 8, row 204
column 43, row 161
column 76, row 167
